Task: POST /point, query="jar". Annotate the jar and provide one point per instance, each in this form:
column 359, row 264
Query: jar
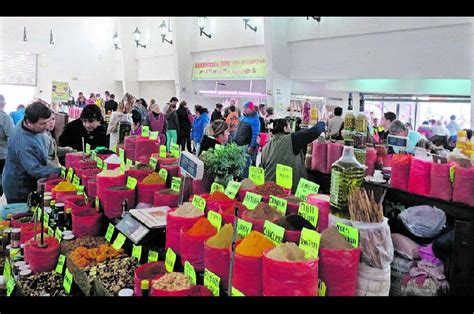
column 24, row 273
column 68, row 237
column 22, row 246
column 25, row 267
column 47, row 201
column 8, row 248
column 127, row 292
column 15, row 240
column 16, row 267
column 2, row 283
column 6, row 238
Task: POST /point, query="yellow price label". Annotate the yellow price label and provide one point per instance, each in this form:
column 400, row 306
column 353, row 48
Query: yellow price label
column 152, row 256
column 153, row 162
column 163, row 173
column 175, row 151
column 70, row 173
column 309, row 212
column 237, row 293
column 243, row 227
column 60, row 264
column 154, row 135
column 321, row 288
column 284, row 176
column 215, row 219
column 100, row 163
column 58, row 234
column 131, row 183
column 97, row 203
column 306, row 187
column 63, row 172
column 274, row 232
column 350, row 233
column 175, row 184
column 76, row 181
column 50, row 232
column 162, row 151
column 251, row 200
column 119, row 241
column 199, row 202
column 279, row 203
column 10, row 286
column 232, row 189
column 109, row 233
column 88, row 148
column 145, row 131
column 170, row 260
column 217, row 187
column 68, row 279
column 212, row 282
column 190, row 272
column 257, row 175
column 129, row 162
column 122, row 155
column 137, row 251
column 309, row 242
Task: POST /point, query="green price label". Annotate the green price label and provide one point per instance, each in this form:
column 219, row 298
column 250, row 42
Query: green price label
column 217, row 187
column 274, row 232
column 243, row 227
column 175, row 184
column 109, row 233
column 122, row 167
column 50, row 232
column 163, row 173
column 190, row 272
column 58, row 234
column 257, row 175
column 215, row 219
column 97, row 203
column 119, row 241
column 350, row 233
column 7, row 270
column 131, row 183
column 212, row 282
column 70, row 173
column 10, row 286
column 100, row 163
column 121, row 155
column 88, row 148
column 170, row 260
column 279, row 203
column 63, row 172
column 145, row 131
column 304, row 188
column 199, row 202
column 309, row 242
column 232, row 189
column 452, row 172
column 104, row 166
column 284, row 176
column 80, row 189
column 251, row 200
column 153, row 162
column 129, row 162
column 76, row 181
column 237, row 293
column 68, row 279
column 137, row 252
column 162, row 151
column 152, row 256
column 60, row 264
column 114, row 148
column 154, row 135
column 321, row 288
column 175, row 152
column 39, row 211
column 15, row 252
column 309, row 212
column 94, row 155
column 46, row 220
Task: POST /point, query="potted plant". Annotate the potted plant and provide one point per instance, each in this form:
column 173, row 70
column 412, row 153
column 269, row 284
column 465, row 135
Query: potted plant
column 225, row 163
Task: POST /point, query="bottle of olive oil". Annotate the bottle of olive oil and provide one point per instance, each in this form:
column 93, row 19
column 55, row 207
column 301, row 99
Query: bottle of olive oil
column 346, row 173
column 360, row 134
column 349, row 119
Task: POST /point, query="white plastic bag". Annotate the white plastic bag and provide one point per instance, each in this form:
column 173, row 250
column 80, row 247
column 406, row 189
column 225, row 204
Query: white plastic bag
column 373, row 281
column 423, row 221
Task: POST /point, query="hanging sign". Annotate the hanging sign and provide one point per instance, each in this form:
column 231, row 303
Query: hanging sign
column 247, row 68
column 60, row 92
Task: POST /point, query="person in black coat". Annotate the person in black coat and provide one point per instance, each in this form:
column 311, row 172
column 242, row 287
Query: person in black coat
column 90, row 126
column 217, row 114
column 184, row 138
column 111, row 104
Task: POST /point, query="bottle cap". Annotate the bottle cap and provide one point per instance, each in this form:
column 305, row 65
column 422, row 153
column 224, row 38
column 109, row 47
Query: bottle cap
column 68, row 237
column 145, row 284
column 25, row 273
column 68, row 210
column 127, row 292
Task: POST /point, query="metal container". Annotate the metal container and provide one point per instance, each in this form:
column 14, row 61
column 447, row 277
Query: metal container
column 15, row 239
column 25, row 273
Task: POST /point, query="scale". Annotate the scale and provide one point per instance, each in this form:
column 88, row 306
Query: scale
column 132, row 229
column 153, row 218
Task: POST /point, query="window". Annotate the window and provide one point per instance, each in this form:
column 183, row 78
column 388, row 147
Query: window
column 18, row 68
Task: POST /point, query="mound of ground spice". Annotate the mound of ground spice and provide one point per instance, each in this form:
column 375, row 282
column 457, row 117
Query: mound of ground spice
column 223, row 239
column 332, row 239
column 118, row 188
column 172, row 282
column 153, row 178
column 202, row 228
column 294, row 222
column 64, row 186
column 141, row 167
column 230, row 209
column 247, row 184
column 187, row 210
column 168, row 191
column 287, row 252
column 110, row 173
column 263, row 211
column 269, row 188
column 291, row 199
column 254, row 244
column 218, row 196
column 152, row 271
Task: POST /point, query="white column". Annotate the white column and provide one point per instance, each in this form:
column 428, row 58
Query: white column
column 129, row 62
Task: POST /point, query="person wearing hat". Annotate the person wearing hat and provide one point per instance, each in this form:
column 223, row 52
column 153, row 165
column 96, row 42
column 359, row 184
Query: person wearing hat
column 247, row 133
column 216, row 134
column 6, row 131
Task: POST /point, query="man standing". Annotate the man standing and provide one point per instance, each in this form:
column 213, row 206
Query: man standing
column 247, row 133
column 6, row 130
column 18, row 114
column 398, row 128
column 107, row 95
column 90, row 126
column 387, row 118
column 335, row 124
column 453, row 127
column 27, row 155
column 217, row 114
column 111, row 104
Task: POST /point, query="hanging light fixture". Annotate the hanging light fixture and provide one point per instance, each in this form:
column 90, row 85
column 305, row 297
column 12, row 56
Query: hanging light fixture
column 247, row 25
column 51, row 40
column 138, row 35
column 317, row 18
column 202, row 21
column 163, row 31
column 24, row 34
column 115, row 41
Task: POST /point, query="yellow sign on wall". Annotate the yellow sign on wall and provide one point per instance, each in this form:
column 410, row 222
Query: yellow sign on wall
column 236, row 69
column 60, row 91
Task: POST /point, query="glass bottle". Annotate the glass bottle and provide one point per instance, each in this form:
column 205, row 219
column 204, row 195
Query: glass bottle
column 346, row 173
column 349, row 120
column 360, row 134
column 68, row 219
column 145, row 287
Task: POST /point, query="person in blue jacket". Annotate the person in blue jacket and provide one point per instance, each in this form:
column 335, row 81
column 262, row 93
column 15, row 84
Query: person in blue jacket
column 18, row 114
column 247, row 133
column 27, row 155
column 199, row 125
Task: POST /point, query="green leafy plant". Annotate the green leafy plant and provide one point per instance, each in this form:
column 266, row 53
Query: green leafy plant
column 224, row 162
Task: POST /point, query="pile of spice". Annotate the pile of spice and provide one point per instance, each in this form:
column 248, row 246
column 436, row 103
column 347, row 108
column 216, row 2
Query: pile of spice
column 247, row 184
column 269, row 188
column 25, row 219
column 218, row 196
column 115, row 275
column 82, row 256
column 254, row 244
column 113, row 159
column 110, row 173
column 263, row 211
column 153, row 178
column 87, row 242
column 294, row 222
column 223, row 239
column 42, row 284
column 292, row 199
column 64, row 186
column 332, row 239
column 169, row 191
column 172, row 282
column 287, row 252
column 202, row 228
column 187, row 210
column 152, row 271
column 230, row 209
column 118, row 188
column 141, row 167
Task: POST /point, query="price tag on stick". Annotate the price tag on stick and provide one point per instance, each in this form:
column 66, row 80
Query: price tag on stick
column 309, row 242
column 131, row 183
column 274, row 232
column 162, row 151
column 284, row 176
column 306, row 187
column 309, row 212
column 60, row 264
column 216, row 187
column 279, row 203
column 175, row 184
column 190, row 272
column 215, row 219
column 350, row 233
column 243, row 227
column 119, row 241
column 251, row 200
column 163, row 173
column 109, row 233
column 68, row 279
column 212, row 282
column 257, row 175
column 232, row 189
column 137, row 252
column 199, row 202
column 170, row 260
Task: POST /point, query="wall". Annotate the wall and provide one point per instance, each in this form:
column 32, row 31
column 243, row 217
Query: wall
column 161, row 91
